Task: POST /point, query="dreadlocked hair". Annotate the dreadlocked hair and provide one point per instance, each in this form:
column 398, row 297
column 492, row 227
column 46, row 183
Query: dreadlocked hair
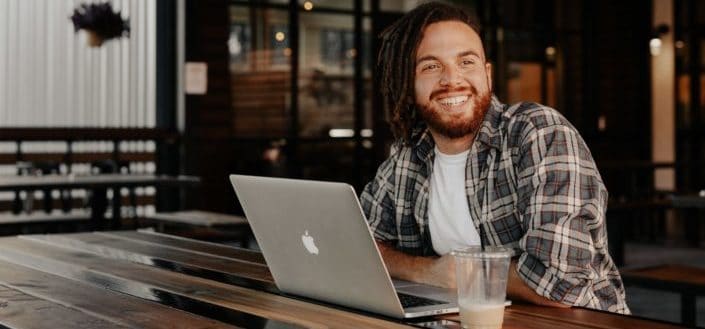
column 396, row 62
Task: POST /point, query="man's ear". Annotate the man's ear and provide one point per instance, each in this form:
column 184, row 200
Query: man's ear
column 488, row 71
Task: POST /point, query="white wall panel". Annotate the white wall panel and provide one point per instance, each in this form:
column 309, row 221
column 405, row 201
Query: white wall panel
column 49, row 77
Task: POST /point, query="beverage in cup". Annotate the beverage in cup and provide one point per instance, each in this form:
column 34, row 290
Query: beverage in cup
column 482, row 285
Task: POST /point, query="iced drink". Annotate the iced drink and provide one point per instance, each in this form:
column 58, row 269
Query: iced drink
column 481, row 316
column 482, row 285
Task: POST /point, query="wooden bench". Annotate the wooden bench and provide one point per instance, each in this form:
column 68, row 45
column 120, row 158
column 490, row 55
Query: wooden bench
column 203, row 224
column 689, row 281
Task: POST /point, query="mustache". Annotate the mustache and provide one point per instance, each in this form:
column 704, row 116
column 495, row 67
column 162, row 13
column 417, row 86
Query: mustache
column 438, row 92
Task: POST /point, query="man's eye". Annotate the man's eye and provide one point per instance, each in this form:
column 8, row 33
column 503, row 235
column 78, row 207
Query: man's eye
column 429, row 67
column 467, row 62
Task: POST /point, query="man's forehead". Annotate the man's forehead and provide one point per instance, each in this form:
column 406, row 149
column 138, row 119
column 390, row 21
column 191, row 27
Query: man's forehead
column 453, row 36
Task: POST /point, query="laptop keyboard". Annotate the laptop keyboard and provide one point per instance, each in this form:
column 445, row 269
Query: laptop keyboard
column 416, row 301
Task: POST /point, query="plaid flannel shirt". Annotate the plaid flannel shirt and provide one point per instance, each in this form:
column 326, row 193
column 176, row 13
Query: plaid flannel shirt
column 532, row 184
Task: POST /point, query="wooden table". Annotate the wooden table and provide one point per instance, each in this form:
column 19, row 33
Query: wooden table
column 206, row 224
column 150, row 280
column 98, row 184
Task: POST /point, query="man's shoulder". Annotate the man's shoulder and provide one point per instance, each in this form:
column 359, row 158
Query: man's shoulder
column 399, row 152
column 526, row 119
column 536, row 116
column 415, row 150
column 403, row 160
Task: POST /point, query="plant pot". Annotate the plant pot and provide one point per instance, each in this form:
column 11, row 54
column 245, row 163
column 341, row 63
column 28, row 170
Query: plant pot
column 93, row 39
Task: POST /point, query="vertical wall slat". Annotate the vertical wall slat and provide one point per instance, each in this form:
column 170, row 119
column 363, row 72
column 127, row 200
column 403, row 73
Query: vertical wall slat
column 4, row 9
column 126, row 69
column 52, row 78
column 134, row 69
column 151, row 120
column 13, row 52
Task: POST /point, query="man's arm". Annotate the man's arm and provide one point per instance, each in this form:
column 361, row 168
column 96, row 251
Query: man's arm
column 561, row 200
column 440, row 271
column 435, row 271
column 518, row 290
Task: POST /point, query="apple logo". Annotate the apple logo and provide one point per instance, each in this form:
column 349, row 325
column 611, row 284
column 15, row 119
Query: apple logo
column 309, row 243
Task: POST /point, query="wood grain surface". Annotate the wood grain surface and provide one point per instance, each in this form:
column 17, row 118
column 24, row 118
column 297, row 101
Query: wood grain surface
column 138, row 279
column 676, row 273
column 161, row 285
column 119, row 309
column 204, row 248
column 20, row 310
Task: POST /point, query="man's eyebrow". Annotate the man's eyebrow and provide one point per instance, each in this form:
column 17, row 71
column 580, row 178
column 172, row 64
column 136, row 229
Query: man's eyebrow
column 468, row 53
column 426, row 58
column 462, row 54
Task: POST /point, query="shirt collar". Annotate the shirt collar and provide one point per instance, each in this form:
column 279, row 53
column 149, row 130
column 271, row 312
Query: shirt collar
column 424, row 144
column 489, row 133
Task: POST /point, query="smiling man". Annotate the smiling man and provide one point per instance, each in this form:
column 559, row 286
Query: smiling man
column 466, row 167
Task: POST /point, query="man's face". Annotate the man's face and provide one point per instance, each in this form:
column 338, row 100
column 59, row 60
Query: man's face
column 452, row 79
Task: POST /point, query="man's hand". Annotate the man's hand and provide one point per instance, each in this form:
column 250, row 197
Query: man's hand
column 440, row 272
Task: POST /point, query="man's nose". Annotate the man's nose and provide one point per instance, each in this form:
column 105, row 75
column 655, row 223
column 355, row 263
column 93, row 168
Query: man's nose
column 450, row 76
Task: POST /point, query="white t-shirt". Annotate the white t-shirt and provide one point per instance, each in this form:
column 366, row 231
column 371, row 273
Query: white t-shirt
column 449, row 218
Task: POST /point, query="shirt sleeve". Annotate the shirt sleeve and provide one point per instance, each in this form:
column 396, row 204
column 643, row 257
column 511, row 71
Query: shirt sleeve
column 378, row 205
column 562, row 201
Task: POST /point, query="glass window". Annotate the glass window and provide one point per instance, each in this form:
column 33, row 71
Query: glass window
column 336, row 46
column 682, row 52
column 524, row 82
column 260, row 71
column 701, row 71
column 279, row 44
column 683, row 100
column 239, row 44
column 260, row 66
column 273, row 2
column 524, row 14
column 700, row 11
column 369, row 60
column 332, row 4
column 551, row 88
column 400, row 6
column 259, row 45
column 327, row 80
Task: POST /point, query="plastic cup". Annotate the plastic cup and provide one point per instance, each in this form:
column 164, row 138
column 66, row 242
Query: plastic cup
column 482, row 285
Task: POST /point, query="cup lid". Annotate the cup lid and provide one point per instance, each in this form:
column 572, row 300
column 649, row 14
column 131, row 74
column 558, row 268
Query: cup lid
column 489, row 252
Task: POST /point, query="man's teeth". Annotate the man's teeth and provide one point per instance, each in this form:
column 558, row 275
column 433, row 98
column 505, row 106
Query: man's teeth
column 450, row 101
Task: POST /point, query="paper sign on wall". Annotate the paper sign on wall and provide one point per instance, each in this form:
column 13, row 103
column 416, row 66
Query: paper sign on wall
column 196, row 78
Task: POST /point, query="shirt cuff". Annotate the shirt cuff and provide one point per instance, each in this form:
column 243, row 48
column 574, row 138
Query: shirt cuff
column 545, row 282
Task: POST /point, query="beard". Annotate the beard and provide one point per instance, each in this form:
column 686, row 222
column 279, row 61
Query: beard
column 455, row 127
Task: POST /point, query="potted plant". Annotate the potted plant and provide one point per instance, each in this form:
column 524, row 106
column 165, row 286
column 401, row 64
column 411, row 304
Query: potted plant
column 100, row 22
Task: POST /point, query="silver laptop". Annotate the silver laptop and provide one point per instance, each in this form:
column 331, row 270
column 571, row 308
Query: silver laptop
column 317, row 244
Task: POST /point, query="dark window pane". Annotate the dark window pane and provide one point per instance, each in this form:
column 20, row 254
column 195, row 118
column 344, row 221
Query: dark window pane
column 260, row 71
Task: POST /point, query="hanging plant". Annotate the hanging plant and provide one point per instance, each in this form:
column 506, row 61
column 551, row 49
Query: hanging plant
column 100, row 22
